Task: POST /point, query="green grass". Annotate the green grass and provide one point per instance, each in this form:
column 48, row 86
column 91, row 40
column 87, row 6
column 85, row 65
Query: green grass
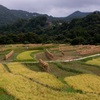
column 12, row 48
column 59, row 72
column 90, row 58
column 4, row 52
column 53, row 67
column 83, row 66
column 69, row 69
column 5, row 96
column 34, row 67
column 42, row 47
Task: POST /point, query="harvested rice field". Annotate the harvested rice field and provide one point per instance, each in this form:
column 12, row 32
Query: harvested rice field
column 23, row 77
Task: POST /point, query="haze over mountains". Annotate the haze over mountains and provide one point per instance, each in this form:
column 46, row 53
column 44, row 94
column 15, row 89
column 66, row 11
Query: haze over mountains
column 9, row 16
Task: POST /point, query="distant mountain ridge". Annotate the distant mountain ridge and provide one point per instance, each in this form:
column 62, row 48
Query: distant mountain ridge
column 77, row 14
column 6, row 16
column 9, row 16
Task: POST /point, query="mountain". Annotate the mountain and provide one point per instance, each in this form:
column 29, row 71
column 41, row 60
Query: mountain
column 85, row 30
column 6, row 16
column 10, row 16
column 77, row 14
column 24, row 14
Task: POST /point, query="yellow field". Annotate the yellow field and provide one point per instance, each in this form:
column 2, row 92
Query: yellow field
column 41, row 77
column 85, row 82
column 94, row 61
column 26, row 55
column 2, row 69
column 24, row 89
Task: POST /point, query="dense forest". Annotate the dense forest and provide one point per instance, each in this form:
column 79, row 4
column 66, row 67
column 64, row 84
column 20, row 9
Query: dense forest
column 85, row 30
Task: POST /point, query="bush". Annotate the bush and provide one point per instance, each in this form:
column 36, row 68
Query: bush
column 26, row 42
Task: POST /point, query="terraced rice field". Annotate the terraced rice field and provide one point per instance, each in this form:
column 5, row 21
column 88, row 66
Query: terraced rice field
column 24, row 89
column 94, row 62
column 43, row 78
column 85, row 82
column 24, row 79
column 26, row 55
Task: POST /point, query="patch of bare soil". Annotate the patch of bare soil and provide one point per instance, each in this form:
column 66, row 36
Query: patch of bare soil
column 57, row 56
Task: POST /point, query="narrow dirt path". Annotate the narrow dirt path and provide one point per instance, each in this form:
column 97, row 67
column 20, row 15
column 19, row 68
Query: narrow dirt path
column 58, row 60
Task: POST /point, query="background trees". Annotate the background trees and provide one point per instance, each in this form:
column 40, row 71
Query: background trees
column 37, row 30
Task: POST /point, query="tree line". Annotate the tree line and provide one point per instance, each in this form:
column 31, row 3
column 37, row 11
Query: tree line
column 84, row 30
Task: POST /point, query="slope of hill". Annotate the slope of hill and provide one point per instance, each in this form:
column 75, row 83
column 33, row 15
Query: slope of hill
column 6, row 16
column 77, row 14
column 24, row 14
column 85, row 30
column 9, row 16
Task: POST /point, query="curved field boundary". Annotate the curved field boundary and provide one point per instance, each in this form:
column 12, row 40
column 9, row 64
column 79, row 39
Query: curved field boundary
column 57, row 60
column 41, row 77
column 26, row 55
column 24, row 89
column 94, row 62
column 2, row 69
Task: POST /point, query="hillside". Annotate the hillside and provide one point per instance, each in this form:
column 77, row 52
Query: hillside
column 77, row 14
column 9, row 16
column 24, row 14
column 85, row 30
column 6, row 16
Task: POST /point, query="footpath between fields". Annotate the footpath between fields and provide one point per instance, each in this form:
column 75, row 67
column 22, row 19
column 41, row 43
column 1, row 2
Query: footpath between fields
column 57, row 60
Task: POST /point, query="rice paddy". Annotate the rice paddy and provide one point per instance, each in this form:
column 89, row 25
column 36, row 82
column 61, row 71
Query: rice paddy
column 23, row 78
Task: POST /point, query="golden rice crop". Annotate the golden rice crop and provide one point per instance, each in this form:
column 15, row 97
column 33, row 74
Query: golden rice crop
column 23, row 89
column 26, row 55
column 41, row 77
column 2, row 69
column 94, row 61
column 85, row 82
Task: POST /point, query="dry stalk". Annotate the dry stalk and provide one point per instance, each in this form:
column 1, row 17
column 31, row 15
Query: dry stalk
column 44, row 65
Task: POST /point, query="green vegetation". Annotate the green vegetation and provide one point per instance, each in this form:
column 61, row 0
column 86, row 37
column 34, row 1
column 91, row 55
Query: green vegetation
column 13, row 15
column 83, row 66
column 5, row 96
column 36, row 30
column 90, row 58
column 67, row 68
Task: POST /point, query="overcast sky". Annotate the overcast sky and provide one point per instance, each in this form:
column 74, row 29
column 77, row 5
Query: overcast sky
column 55, row 8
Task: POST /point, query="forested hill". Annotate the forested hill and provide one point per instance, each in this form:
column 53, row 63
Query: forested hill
column 79, row 31
column 9, row 16
column 6, row 16
column 34, row 25
column 77, row 14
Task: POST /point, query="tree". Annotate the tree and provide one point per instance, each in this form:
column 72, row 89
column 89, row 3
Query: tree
column 78, row 40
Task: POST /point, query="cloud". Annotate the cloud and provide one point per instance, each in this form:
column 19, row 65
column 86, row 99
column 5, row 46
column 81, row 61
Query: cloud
column 60, row 8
